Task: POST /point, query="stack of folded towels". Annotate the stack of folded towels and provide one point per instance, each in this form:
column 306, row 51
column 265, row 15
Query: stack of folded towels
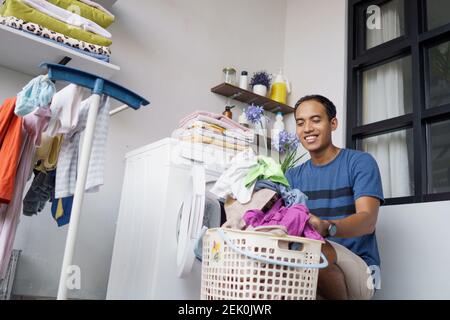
column 78, row 24
column 213, row 129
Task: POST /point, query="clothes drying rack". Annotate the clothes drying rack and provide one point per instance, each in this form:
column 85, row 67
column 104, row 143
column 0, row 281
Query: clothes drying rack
column 99, row 87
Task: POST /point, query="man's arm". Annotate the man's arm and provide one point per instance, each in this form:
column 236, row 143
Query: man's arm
column 359, row 224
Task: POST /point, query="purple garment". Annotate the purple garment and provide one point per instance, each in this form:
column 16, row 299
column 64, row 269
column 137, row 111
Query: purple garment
column 295, row 219
column 33, row 125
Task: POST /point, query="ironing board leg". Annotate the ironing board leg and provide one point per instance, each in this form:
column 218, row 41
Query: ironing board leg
column 78, row 196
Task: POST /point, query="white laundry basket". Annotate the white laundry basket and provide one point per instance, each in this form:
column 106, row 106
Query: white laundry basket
column 246, row 265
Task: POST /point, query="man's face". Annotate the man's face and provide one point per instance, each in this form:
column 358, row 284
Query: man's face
column 313, row 126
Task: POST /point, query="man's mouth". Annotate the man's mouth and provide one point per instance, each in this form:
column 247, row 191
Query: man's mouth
column 311, row 138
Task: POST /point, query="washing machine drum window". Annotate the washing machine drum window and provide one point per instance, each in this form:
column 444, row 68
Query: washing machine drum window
column 192, row 218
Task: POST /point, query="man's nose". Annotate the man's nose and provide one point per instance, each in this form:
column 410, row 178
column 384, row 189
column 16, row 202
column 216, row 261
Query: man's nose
column 308, row 127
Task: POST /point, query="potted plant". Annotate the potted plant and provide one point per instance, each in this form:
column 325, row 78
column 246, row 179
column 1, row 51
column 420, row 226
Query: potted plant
column 287, row 146
column 261, row 82
column 255, row 115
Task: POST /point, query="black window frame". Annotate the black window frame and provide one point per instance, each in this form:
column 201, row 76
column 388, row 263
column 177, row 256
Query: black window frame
column 415, row 42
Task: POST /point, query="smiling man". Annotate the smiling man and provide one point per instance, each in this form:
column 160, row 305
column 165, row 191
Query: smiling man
column 344, row 194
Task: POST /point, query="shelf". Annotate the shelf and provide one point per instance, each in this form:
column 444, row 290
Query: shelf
column 249, row 97
column 24, row 52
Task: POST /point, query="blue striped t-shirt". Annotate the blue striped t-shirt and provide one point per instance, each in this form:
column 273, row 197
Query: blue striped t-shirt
column 332, row 190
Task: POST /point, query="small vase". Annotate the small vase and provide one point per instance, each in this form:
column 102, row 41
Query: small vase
column 260, row 89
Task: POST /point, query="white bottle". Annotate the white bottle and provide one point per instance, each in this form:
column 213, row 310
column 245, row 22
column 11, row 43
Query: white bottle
column 278, row 126
column 243, row 120
column 243, row 80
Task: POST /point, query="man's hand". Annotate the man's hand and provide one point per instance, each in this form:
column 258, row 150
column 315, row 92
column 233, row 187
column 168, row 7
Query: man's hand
column 356, row 225
column 321, row 226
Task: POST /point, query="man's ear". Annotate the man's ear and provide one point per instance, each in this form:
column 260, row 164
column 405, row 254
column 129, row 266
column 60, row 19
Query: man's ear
column 334, row 124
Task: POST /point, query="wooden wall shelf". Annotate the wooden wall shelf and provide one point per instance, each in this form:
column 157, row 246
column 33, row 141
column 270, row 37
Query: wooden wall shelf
column 249, row 97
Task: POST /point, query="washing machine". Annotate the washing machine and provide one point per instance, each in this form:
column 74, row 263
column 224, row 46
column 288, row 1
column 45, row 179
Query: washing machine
column 160, row 220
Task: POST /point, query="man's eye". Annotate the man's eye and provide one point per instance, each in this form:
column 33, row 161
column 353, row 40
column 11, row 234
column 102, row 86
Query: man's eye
column 316, row 120
column 300, row 124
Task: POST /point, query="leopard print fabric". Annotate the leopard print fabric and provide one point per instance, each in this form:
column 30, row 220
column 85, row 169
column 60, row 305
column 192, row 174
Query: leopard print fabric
column 36, row 29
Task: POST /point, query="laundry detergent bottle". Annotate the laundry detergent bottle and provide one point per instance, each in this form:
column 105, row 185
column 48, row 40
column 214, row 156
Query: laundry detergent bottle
column 280, row 88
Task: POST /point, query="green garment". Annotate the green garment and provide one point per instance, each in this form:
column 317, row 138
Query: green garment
column 18, row 9
column 266, row 169
column 98, row 16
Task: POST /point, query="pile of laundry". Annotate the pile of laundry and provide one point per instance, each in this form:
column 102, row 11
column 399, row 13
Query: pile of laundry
column 77, row 24
column 207, row 128
column 257, row 196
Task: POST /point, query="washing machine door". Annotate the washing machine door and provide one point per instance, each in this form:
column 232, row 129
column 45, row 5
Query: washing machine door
column 191, row 220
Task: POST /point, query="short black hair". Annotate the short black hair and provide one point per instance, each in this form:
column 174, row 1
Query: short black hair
column 329, row 106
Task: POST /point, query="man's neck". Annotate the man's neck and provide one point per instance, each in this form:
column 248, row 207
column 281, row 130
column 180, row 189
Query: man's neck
column 325, row 156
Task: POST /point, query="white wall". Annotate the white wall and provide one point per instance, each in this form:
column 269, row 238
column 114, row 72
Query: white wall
column 172, row 52
column 413, row 242
column 315, row 55
column 11, row 83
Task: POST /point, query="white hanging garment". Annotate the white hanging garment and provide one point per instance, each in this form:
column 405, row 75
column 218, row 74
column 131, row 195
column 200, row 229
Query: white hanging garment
column 65, row 108
column 66, row 172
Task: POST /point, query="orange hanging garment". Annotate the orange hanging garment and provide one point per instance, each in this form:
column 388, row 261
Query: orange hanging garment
column 10, row 148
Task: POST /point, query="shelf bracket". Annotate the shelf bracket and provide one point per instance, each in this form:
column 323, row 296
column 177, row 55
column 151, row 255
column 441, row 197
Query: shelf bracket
column 65, row 60
column 234, row 96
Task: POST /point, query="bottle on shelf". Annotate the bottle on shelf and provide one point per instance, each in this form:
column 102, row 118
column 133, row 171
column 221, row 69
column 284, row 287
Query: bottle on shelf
column 227, row 113
column 280, row 88
column 278, row 126
column 243, row 80
column 243, row 120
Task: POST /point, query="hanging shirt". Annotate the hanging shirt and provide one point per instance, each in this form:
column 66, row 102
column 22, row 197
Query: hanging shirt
column 65, row 109
column 66, row 171
column 32, row 127
column 10, row 148
column 332, row 190
column 37, row 93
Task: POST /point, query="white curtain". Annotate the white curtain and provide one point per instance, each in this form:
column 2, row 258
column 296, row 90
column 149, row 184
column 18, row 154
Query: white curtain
column 391, row 25
column 383, row 92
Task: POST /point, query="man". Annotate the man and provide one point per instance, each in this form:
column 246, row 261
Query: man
column 344, row 194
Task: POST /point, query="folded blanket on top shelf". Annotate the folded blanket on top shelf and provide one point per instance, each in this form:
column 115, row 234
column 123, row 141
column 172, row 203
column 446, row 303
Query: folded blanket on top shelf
column 68, row 17
column 18, row 9
column 97, row 6
column 37, row 30
column 87, row 9
column 100, row 57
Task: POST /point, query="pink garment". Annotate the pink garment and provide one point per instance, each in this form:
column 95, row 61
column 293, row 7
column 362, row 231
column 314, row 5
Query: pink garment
column 213, row 118
column 295, row 219
column 33, row 125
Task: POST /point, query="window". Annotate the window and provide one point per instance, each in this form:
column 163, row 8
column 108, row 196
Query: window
column 438, row 13
column 439, row 151
column 392, row 14
column 439, row 75
column 398, row 94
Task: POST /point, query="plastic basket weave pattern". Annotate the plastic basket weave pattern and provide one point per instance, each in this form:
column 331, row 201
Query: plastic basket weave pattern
column 230, row 275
